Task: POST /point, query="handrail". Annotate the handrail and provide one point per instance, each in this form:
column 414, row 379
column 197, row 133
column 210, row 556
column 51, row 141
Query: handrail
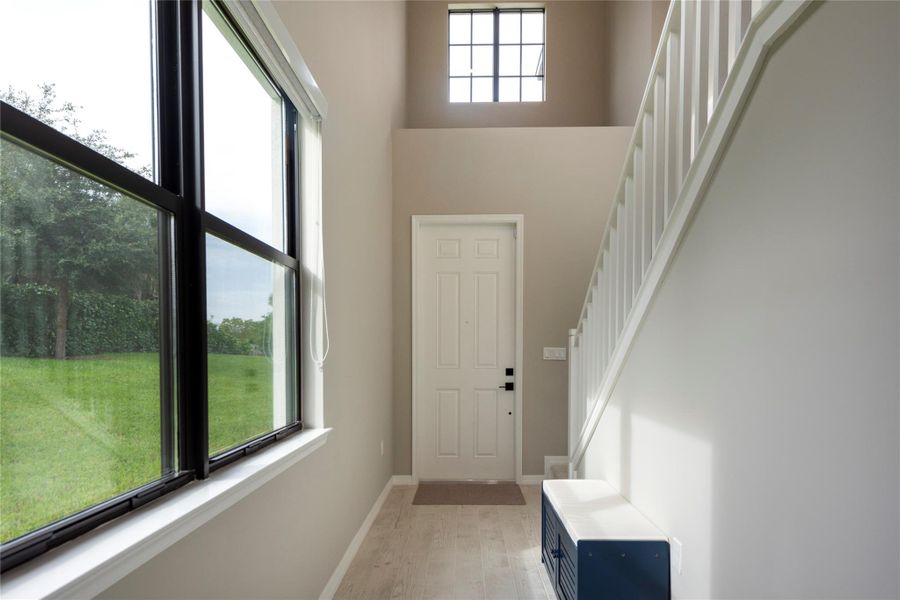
column 709, row 55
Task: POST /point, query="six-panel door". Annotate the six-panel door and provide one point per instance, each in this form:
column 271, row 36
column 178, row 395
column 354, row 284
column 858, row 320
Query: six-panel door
column 465, row 329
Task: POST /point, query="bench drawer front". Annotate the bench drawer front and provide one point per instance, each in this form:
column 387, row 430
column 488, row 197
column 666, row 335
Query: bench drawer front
column 625, row 570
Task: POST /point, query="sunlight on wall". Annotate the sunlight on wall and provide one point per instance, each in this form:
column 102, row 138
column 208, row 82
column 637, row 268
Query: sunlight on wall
column 649, row 463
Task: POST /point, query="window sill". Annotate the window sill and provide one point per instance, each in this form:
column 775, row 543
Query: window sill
column 90, row 564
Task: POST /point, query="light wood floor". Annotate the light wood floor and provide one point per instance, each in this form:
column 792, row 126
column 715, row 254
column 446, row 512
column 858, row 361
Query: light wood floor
column 450, row 552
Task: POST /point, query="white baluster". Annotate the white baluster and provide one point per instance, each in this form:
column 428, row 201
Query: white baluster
column 588, row 359
column 651, row 164
column 616, row 299
column 686, row 54
column 718, row 52
column 610, row 302
column 603, row 316
column 673, row 131
column 738, row 19
column 621, row 278
column 627, row 246
column 635, row 229
column 582, row 384
column 659, row 166
column 595, row 341
column 651, row 153
column 575, row 420
column 592, row 339
column 700, row 74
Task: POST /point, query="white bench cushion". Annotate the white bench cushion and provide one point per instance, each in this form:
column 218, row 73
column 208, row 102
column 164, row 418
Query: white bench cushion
column 591, row 509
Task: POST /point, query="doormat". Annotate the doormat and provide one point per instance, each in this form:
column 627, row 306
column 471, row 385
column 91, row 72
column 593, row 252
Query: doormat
column 497, row 494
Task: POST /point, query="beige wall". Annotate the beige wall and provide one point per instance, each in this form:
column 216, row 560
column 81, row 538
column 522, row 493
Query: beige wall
column 562, row 180
column 756, row 418
column 633, row 30
column 284, row 540
column 598, row 61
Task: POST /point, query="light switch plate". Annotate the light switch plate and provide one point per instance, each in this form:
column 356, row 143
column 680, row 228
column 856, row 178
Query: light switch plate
column 554, row 354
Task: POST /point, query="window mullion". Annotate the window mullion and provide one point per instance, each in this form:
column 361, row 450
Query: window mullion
column 496, row 55
column 521, row 42
column 167, row 404
column 167, row 162
column 471, row 52
column 181, row 171
column 292, row 196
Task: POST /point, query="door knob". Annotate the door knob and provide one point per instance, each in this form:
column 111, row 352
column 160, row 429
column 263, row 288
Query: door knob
column 509, row 386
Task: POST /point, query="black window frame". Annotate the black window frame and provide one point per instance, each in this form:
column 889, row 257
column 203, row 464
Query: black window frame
column 496, row 76
column 179, row 196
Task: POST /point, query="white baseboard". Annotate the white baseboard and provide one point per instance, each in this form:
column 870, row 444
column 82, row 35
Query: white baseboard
column 403, row 480
column 531, row 479
column 335, row 581
column 549, row 461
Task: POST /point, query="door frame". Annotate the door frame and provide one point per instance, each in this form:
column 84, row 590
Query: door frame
column 518, row 223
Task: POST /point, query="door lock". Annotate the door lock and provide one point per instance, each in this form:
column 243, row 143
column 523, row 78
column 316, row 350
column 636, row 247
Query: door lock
column 509, row 386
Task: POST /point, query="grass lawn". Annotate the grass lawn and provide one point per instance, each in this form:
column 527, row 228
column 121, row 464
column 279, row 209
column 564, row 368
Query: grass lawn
column 77, row 432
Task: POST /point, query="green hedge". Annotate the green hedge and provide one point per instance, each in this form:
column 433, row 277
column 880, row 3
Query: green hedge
column 98, row 323
column 219, row 341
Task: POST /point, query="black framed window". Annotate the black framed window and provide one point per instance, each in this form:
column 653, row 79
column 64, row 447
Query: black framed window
column 250, row 280
column 496, row 55
column 149, row 263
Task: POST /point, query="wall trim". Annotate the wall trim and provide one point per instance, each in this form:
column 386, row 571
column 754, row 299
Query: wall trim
column 404, row 480
column 269, row 36
column 337, row 576
column 518, row 221
column 550, row 461
column 531, row 479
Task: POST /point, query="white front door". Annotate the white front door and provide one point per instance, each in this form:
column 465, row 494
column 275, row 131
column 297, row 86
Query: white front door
column 465, row 342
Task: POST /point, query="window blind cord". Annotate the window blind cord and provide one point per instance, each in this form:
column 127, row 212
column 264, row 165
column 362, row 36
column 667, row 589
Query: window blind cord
column 317, row 357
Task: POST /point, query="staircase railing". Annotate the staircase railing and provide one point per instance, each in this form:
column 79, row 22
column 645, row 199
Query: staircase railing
column 709, row 54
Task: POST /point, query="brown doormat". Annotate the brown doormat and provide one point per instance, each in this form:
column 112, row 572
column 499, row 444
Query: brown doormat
column 469, row 494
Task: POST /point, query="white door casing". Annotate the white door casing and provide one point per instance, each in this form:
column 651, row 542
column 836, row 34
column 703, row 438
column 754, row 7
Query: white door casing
column 466, row 334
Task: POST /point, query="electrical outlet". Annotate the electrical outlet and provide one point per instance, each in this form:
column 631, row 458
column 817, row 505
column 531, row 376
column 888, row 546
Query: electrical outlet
column 382, row 447
column 677, row 554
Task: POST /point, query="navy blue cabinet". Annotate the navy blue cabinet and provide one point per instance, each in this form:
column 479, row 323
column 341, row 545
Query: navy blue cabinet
column 595, row 545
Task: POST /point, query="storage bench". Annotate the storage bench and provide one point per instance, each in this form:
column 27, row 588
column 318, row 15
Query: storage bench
column 595, row 544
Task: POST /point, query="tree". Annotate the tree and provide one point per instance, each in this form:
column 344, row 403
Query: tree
column 65, row 230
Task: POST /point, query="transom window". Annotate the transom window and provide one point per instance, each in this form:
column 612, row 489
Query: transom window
column 496, row 55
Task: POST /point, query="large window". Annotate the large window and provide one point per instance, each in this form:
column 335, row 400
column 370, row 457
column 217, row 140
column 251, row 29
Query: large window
column 250, row 286
column 148, row 260
column 80, row 361
column 496, row 55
